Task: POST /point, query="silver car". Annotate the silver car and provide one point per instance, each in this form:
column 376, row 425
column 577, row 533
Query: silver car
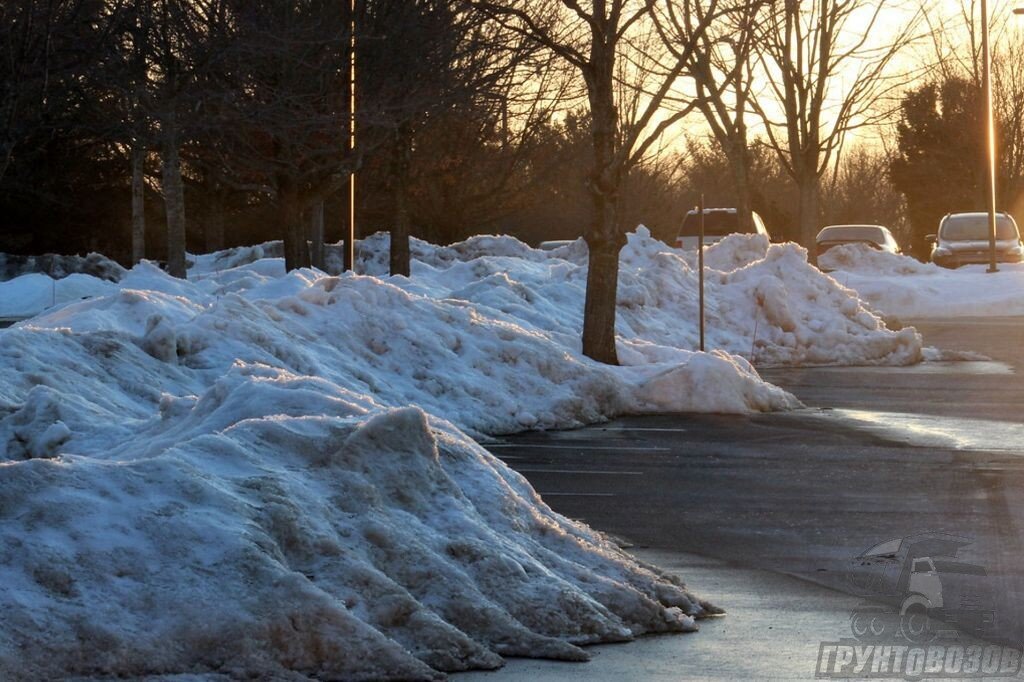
column 963, row 239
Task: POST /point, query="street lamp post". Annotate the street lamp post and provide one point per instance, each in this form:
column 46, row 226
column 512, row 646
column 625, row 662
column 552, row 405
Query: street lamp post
column 990, row 138
column 349, row 259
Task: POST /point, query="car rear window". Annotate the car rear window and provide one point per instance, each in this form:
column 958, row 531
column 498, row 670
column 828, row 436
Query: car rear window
column 852, row 233
column 975, row 227
column 716, row 224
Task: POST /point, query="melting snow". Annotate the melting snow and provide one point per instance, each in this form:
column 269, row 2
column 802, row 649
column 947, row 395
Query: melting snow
column 255, row 472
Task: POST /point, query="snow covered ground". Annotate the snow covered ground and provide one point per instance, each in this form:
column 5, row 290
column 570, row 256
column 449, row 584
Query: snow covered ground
column 901, row 286
column 255, row 472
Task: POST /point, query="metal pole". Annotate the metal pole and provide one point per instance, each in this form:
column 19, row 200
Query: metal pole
column 990, row 139
column 700, row 267
column 350, row 237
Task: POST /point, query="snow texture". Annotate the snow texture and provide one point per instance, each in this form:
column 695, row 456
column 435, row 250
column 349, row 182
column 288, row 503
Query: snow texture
column 266, row 475
column 902, row 287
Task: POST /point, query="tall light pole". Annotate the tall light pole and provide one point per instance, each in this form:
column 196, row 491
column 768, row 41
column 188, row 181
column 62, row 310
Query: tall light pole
column 350, row 236
column 990, row 138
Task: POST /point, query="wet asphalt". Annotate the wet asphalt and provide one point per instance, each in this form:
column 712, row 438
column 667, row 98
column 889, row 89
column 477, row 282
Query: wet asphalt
column 878, row 453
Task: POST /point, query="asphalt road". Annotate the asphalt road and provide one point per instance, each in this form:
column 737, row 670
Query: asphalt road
column 879, row 453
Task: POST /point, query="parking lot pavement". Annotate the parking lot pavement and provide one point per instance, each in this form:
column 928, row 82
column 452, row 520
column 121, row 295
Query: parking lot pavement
column 781, row 501
column 773, row 628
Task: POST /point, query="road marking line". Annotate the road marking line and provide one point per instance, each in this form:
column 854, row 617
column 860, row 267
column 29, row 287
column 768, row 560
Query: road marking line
column 643, row 428
column 580, row 471
column 576, row 494
column 573, row 447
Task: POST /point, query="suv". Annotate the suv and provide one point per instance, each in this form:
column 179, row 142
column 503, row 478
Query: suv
column 718, row 223
column 963, row 239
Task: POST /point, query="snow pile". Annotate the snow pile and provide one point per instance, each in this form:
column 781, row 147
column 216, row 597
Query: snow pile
column 223, row 475
column 254, row 472
column 863, row 258
column 306, row 537
column 765, row 303
column 903, row 287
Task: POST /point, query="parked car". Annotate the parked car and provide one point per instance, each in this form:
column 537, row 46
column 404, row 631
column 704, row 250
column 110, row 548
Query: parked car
column 963, row 238
column 718, row 223
column 875, row 236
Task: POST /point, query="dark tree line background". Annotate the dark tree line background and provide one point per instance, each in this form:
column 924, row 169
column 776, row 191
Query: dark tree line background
column 225, row 122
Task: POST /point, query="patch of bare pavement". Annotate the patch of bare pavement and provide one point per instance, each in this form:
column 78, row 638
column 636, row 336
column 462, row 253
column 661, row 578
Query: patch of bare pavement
column 781, row 520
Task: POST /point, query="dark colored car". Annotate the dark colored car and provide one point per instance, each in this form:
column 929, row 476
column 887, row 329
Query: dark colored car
column 718, row 223
column 963, row 239
column 875, row 236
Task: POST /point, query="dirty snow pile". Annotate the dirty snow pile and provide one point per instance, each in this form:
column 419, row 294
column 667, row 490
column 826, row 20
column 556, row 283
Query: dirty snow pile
column 272, row 526
column 252, row 473
column 185, row 487
column 764, row 301
column 901, row 286
column 259, row 473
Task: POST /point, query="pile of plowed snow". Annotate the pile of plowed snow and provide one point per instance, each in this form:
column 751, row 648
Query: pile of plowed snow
column 254, row 472
column 765, row 303
column 904, row 287
column 271, row 526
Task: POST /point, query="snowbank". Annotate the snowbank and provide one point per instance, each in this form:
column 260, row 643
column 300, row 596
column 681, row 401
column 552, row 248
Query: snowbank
column 765, row 303
column 254, row 472
column 904, row 287
column 304, row 537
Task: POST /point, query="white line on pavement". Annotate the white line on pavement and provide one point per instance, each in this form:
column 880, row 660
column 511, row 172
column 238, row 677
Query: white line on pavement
column 580, row 471
column 572, row 447
column 576, row 494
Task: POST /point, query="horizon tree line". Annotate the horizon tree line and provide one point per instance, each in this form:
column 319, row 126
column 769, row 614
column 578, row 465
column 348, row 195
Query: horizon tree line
column 175, row 124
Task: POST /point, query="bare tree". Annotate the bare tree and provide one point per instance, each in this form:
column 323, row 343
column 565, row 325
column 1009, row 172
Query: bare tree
column 597, row 39
column 722, row 73
column 828, row 66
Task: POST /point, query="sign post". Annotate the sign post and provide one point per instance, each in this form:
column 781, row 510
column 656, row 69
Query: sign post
column 700, row 267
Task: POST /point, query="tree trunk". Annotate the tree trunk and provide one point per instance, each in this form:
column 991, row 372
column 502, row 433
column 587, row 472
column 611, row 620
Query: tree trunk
column 810, row 189
column 604, row 238
column 138, row 202
column 400, row 256
column 739, row 162
column 316, row 234
column 174, row 202
column 296, row 251
column 604, row 241
column 600, row 305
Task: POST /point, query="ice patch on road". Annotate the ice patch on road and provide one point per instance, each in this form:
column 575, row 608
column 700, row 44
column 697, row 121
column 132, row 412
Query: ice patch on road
column 938, row 431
